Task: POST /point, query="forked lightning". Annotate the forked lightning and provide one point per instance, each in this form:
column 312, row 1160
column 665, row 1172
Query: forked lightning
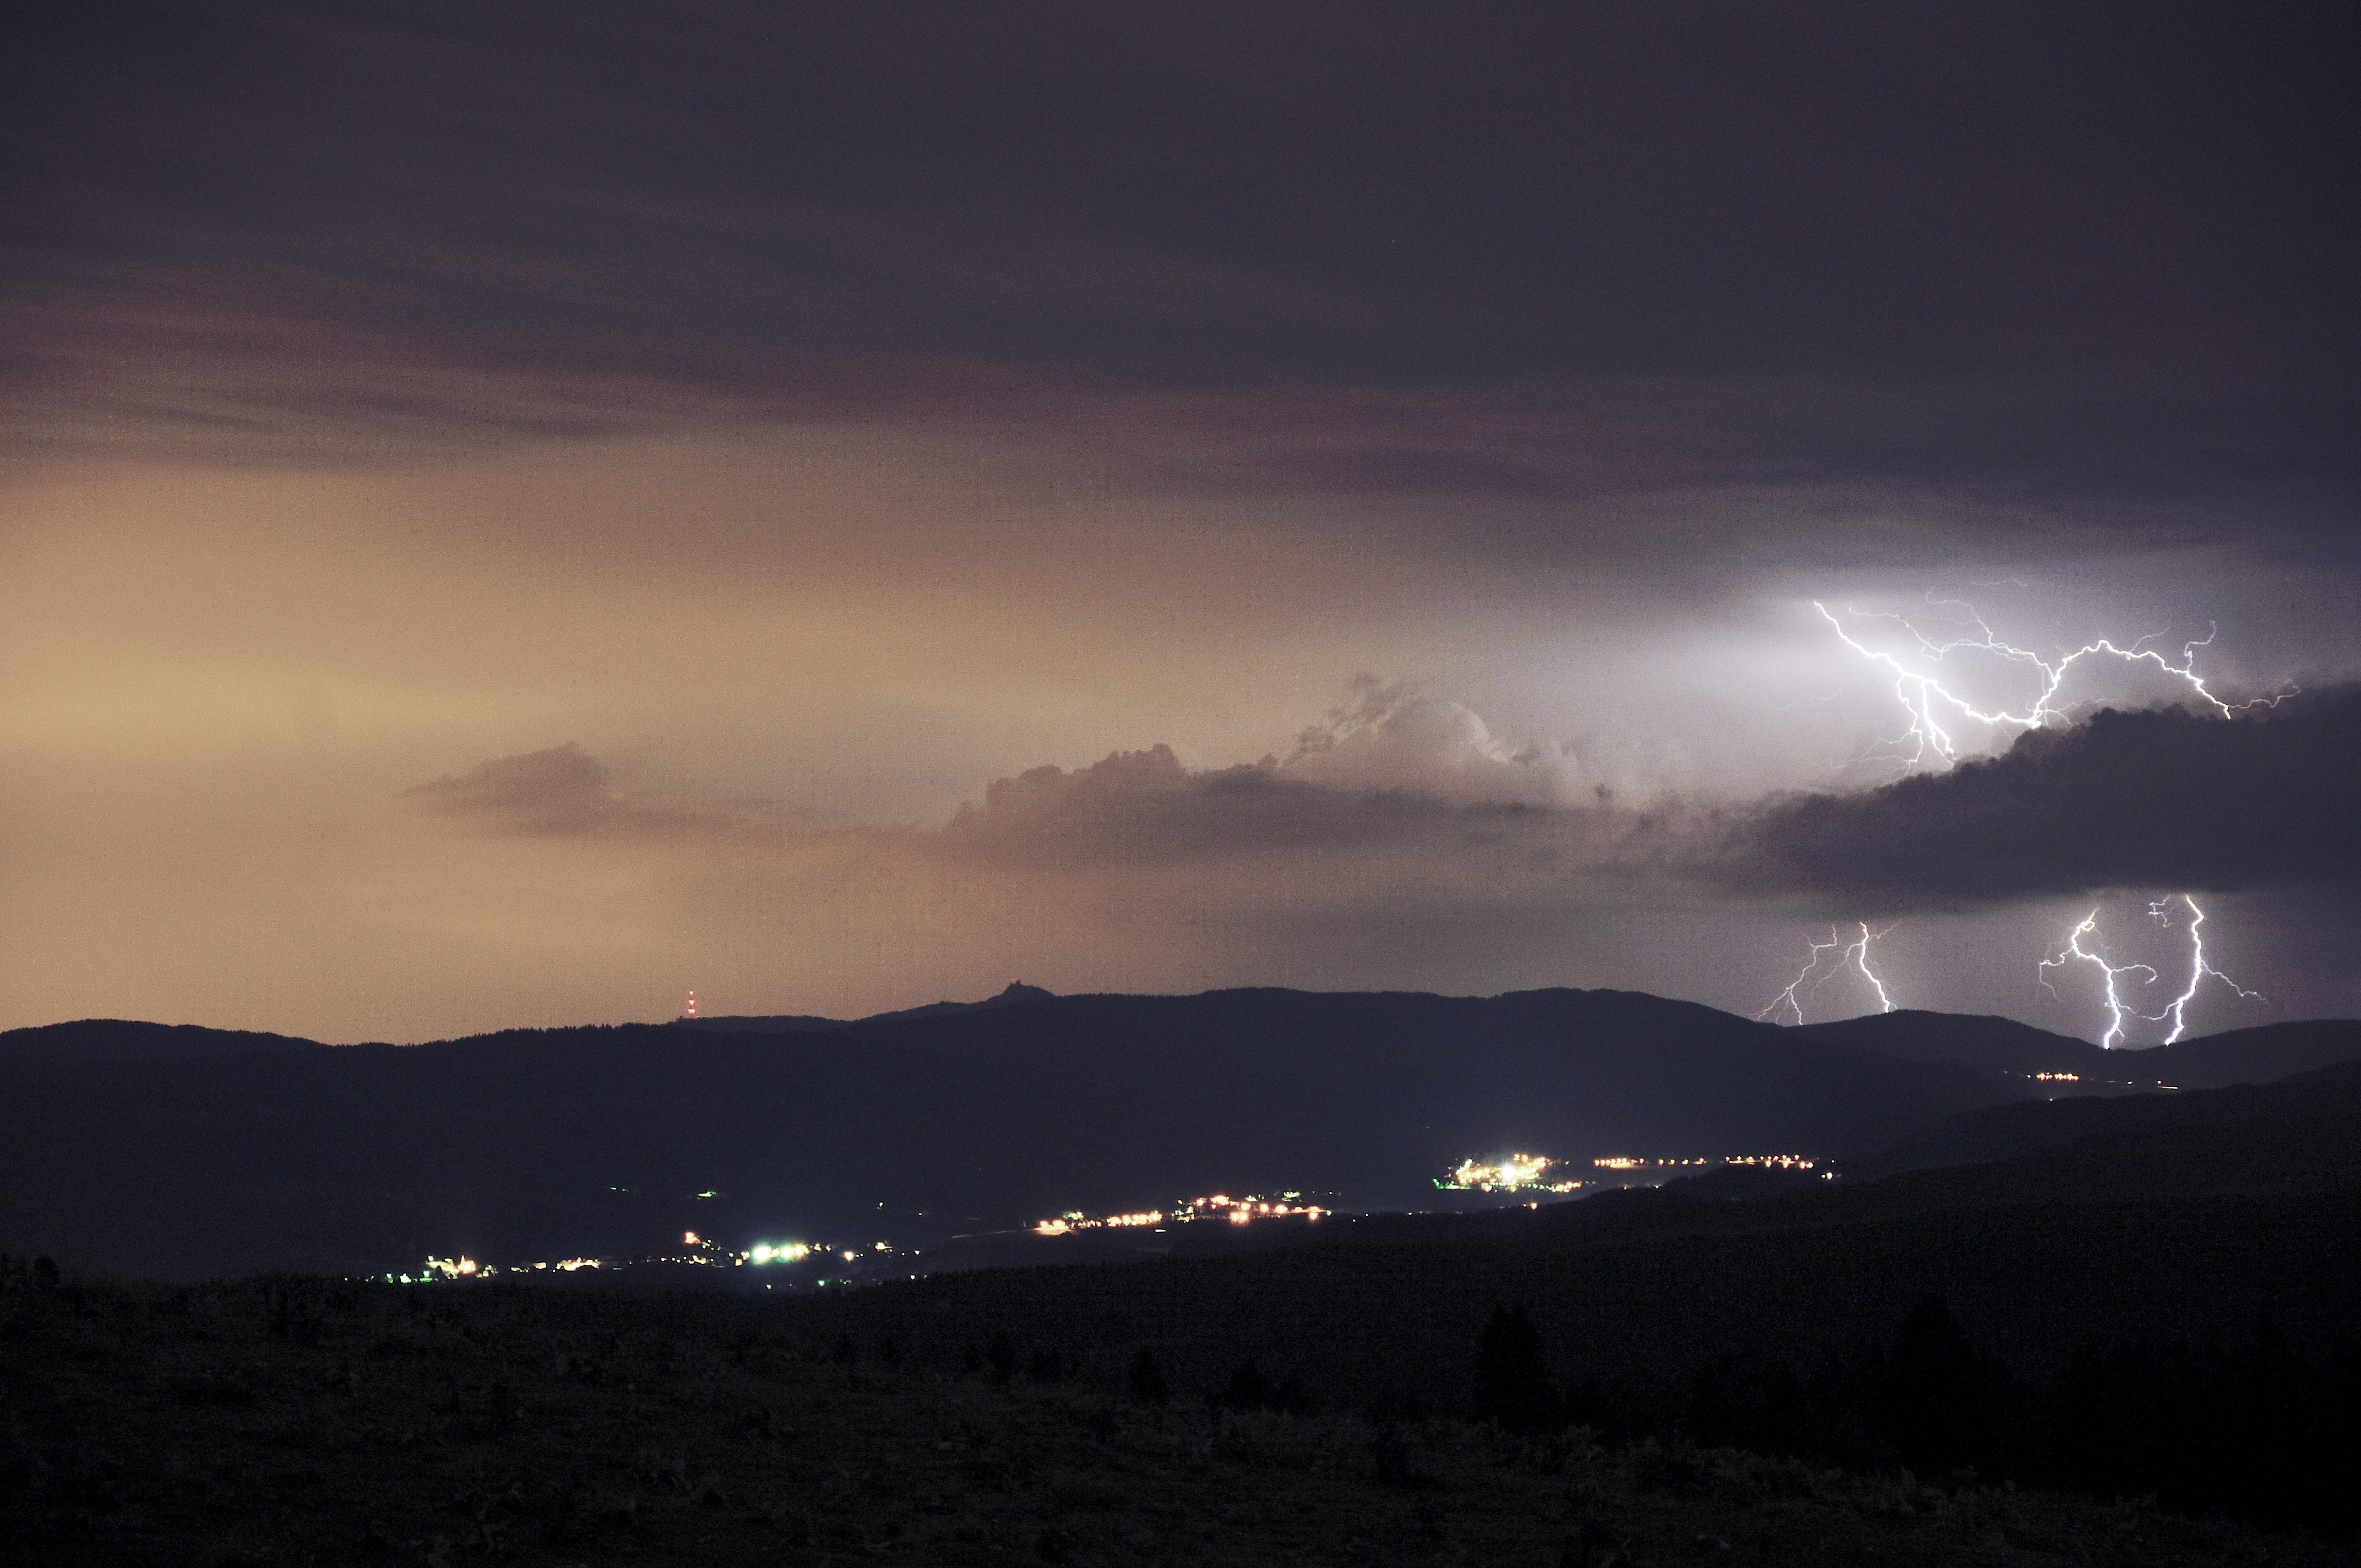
column 1923, row 697
column 2120, row 1011
column 1855, row 957
column 1928, row 743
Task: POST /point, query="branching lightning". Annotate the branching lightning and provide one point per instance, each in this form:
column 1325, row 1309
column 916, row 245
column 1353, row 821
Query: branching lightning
column 2120, row 1011
column 1934, row 711
column 2072, row 950
column 2198, row 968
column 1854, row 955
column 1930, row 705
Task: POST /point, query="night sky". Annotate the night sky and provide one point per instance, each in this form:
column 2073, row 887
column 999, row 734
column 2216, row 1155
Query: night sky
column 509, row 514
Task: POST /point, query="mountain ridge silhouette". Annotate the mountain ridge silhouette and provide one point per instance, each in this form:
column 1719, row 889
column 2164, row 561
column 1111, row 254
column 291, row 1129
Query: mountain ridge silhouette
column 153, row 1149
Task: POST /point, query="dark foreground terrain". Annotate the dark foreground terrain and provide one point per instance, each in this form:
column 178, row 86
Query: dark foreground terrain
column 2111, row 1329
column 295, row 1420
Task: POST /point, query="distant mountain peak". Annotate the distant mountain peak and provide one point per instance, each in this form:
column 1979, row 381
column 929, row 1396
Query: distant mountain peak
column 1017, row 991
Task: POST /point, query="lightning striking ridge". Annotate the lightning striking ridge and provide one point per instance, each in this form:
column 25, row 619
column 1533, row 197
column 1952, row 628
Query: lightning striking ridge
column 2198, row 968
column 1923, row 698
column 2073, row 949
column 1855, row 955
column 2119, row 1010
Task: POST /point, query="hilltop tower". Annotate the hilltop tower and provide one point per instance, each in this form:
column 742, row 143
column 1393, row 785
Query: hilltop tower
column 691, row 1013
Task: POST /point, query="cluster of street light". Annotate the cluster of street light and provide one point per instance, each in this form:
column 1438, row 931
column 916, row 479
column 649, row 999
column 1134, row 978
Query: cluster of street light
column 1217, row 1206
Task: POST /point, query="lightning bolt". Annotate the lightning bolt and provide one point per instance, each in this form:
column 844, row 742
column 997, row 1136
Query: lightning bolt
column 2073, row 949
column 1931, row 705
column 1855, row 955
column 2198, row 968
column 2119, row 1010
column 1934, row 711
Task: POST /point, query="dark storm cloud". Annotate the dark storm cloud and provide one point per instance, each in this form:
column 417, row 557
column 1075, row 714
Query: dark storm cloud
column 2158, row 799
column 2099, row 250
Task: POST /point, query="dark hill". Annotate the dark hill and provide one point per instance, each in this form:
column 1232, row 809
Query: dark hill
column 55, row 1046
column 539, row 1144
column 2259, row 1054
column 2270, row 1116
column 804, row 1023
column 139, row 1149
column 2186, row 1221
column 762, row 1023
column 2003, row 1045
column 2303, row 1134
column 2240, row 1056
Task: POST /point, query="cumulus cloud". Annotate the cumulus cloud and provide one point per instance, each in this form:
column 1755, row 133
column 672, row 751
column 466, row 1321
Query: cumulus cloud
column 2164, row 798
column 1388, row 737
column 1389, row 776
column 1393, row 796
column 1145, row 809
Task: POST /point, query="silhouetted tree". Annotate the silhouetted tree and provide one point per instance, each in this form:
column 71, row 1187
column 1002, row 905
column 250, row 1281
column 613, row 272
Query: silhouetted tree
column 1512, row 1384
column 2250, row 1430
column 1248, row 1389
column 1146, row 1382
column 1001, row 1355
column 1742, row 1400
column 1938, row 1401
column 1398, row 1405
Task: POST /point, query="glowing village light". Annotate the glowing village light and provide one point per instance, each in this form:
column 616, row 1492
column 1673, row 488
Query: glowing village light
column 1771, row 1161
column 1510, row 1175
column 1237, row 1210
column 1517, row 1170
